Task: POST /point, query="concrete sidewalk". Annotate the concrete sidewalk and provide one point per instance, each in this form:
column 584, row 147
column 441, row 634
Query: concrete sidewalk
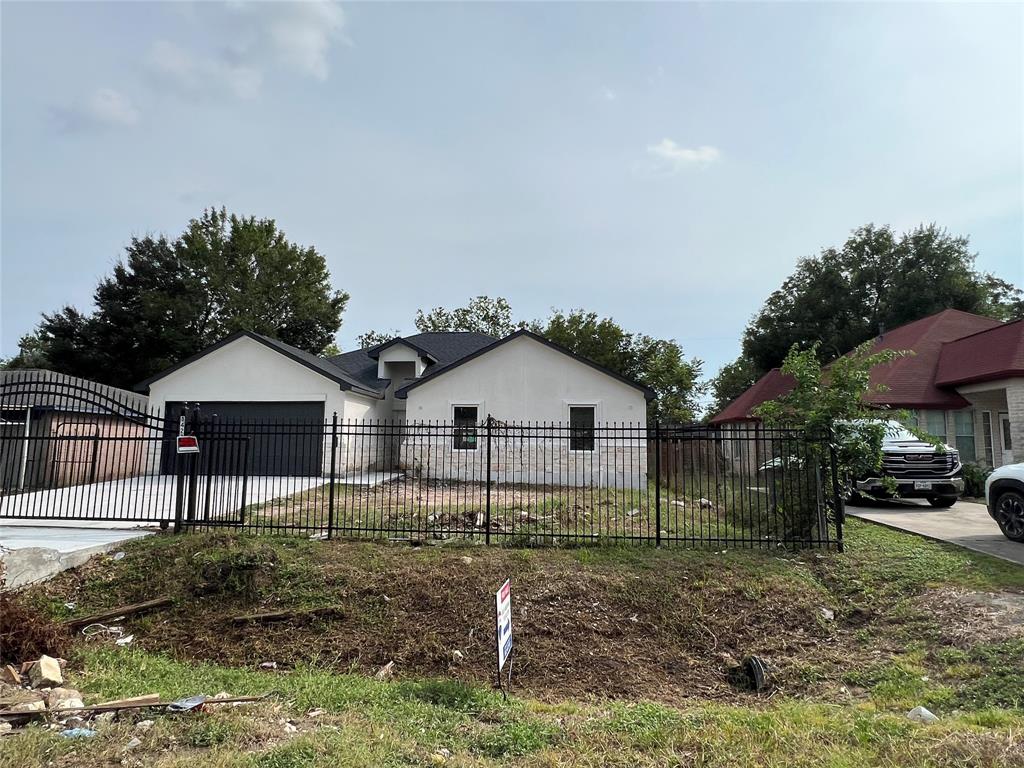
column 966, row 524
column 34, row 553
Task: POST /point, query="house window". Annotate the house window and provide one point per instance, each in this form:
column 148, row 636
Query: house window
column 581, row 428
column 965, row 434
column 986, row 433
column 464, row 434
column 935, row 424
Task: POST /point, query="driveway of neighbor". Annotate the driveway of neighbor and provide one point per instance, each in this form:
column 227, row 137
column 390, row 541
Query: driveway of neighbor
column 966, row 524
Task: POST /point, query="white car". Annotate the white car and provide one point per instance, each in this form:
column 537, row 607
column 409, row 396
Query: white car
column 1004, row 497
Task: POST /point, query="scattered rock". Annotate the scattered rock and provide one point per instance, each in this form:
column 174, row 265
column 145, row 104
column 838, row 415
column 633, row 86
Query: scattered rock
column 135, row 742
column 466, row 559
column 268, row 665
column 922, row 715
column 4, row 726
column 118, row 556
column 705, row 504
column 290, row 728
column 827, row 614
column 386, row 672
column 104, row 718
column 678, row 503
column 36, row 705
column 316, row 712
column 143, row 725
column 64, row 698
column 457, row 655
column 45, row 673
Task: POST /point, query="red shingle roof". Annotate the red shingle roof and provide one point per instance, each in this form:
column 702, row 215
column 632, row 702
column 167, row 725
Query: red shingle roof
column 912, row 382
column 773, row 384
column 991, row 354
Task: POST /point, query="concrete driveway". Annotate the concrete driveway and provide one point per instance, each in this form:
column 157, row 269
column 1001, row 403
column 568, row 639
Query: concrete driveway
column 966, row 524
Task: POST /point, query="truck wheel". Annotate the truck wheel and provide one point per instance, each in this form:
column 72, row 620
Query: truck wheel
column 942, row 501
column 1010, row 515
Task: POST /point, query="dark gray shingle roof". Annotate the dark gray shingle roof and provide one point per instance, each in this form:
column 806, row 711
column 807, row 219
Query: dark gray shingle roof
column 445, row 348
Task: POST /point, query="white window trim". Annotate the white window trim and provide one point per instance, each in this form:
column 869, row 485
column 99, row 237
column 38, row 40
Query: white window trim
column 991, row 435
column 452, row 405
column 596, row 405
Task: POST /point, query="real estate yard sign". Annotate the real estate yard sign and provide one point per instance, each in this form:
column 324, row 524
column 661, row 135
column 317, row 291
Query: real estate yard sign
column 503, row 617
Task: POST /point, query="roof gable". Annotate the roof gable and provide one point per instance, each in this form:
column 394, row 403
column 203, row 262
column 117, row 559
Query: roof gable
column 443, row 348
column 317, row 364
column 772, row 385
column 440, row 371
column 908, row 382
column 994, row 353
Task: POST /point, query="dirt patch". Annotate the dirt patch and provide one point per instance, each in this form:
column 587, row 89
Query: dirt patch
column 968, row 617
column 661, row 625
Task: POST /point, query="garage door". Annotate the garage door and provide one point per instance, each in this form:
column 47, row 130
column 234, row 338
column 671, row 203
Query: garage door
column 259, row 438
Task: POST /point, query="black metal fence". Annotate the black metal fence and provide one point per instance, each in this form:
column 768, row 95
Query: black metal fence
column 497, row 482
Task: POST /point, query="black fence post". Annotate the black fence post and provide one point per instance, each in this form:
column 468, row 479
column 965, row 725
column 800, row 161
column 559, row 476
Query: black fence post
column 179, row 470
column 836, row 494
column 193, row 466
column 330, row 493
column 657, row 482
column 487, row 516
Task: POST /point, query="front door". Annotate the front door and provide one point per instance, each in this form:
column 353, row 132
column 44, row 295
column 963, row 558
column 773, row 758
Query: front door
column 1004, row 438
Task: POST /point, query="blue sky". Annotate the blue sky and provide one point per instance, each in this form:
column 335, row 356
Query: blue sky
column 663, row 164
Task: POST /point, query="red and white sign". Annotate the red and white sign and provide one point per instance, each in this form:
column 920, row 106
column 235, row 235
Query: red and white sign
column 188, row 444
column 503, row 614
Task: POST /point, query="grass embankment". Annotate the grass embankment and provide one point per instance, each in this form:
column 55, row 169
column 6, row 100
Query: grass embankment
column 622, row 655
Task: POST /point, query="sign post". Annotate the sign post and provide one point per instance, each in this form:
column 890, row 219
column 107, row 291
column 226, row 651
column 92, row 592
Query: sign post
column 503, row 624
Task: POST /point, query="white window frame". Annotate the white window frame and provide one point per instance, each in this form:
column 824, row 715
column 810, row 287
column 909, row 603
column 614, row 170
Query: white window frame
column 451, row 409
column 987, row 415
column 569, row 405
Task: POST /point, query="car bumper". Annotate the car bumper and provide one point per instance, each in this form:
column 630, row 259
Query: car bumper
column 913, row 489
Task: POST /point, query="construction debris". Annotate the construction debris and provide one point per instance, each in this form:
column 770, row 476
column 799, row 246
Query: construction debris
column 386, row 672
column 45, row 673
column 272, row 616
column 119, row 613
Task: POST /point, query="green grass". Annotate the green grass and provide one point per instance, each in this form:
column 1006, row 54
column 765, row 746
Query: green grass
column 407, row 723
column 889, row 651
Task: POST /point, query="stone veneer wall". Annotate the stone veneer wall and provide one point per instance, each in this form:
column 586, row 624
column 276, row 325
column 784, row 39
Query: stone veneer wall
column 618, row 461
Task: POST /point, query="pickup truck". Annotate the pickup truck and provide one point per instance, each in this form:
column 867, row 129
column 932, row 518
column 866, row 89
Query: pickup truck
column 1004, row 497
column 921, row 470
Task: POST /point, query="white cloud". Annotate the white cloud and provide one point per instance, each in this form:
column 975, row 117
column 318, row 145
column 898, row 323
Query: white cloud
column 110, row 107
column 260, row 37
column 105, row 108
column 676, row 157
column 609, row 94
column 196, row 76
column 301, row 34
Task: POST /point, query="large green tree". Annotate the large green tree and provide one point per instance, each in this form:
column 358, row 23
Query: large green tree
column 167, row 299
column 877, row 279
column 481, row 314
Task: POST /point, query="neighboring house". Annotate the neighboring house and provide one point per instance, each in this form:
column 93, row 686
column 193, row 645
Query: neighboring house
column 61, row 430
column 964, row 384
column 453, row 380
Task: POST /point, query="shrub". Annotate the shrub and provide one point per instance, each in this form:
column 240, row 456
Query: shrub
column 974, row 478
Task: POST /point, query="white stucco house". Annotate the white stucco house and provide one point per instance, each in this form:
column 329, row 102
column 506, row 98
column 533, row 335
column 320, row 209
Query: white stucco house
column 425, row 398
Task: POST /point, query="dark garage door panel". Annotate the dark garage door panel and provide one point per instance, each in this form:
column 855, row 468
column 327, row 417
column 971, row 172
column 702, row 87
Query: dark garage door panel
column 256, row 435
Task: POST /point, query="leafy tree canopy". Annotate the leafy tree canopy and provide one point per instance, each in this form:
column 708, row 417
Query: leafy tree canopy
column 168, row 299
column 844, row 296
column 830, row 402
column 482, row 314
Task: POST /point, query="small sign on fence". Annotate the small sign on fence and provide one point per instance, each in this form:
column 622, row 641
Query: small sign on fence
column 188, row 444
column 503, row 621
